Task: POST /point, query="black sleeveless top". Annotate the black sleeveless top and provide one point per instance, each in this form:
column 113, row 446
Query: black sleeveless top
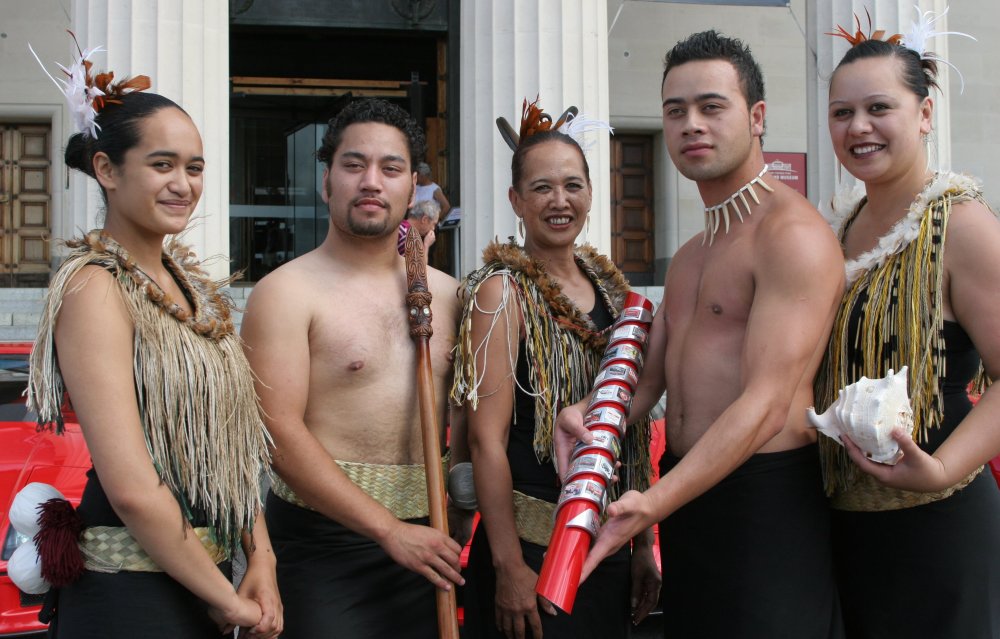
column 529, row 476
column 961, row 364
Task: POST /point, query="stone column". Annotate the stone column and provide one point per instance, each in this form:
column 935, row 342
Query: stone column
column 557, row 49
column 894, row 16
column 183, row 45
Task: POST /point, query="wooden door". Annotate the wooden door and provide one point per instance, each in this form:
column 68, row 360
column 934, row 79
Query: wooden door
column 25, row 205
column 632, row 207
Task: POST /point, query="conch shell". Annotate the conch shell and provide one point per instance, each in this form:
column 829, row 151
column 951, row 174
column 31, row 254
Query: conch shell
column 867, row 412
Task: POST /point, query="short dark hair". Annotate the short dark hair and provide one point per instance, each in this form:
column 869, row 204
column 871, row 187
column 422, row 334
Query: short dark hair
column 711, row 45
column 372, row 110
column 119, row 131
column 918, row 74
column 517, row 162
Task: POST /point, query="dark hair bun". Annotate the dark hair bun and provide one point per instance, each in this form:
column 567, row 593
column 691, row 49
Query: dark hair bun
column 78, row 155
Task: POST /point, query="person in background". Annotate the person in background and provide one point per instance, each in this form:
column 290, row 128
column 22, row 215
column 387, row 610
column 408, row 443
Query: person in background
column 424, row 217
column 428, row 190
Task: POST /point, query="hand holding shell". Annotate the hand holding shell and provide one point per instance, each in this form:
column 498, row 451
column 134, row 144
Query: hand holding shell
column 867, row 411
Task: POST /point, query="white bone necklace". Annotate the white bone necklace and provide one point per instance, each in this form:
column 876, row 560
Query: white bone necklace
column 715, row 214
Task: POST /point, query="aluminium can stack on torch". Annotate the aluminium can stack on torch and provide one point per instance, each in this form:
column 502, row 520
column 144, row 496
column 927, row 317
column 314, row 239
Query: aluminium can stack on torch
column 584, row 494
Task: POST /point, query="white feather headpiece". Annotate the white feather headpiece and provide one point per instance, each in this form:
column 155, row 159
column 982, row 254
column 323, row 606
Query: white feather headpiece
column 78, row 92
column 580, row 126
column 922, row 30
column 85, row 94
column 534, row 120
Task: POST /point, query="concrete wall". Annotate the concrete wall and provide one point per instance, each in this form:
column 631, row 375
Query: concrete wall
column 975, row 119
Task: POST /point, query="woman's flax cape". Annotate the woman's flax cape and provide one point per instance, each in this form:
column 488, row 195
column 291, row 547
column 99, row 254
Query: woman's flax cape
column 564, row 347
column 199, row 412
column 899, row 282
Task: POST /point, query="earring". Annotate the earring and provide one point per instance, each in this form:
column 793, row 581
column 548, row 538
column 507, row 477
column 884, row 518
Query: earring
column 840, row 170
column 520, row 228
column 588, row 225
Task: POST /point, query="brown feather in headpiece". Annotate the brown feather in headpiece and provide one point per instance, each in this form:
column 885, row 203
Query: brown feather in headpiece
column 859, row 36
column 113, row 92
column 533, row 119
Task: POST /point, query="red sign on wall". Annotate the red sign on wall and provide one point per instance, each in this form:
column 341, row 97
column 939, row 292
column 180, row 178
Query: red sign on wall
column 790, row 168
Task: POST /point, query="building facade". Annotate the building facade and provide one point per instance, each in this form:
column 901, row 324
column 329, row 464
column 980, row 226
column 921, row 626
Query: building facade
column 261, row 77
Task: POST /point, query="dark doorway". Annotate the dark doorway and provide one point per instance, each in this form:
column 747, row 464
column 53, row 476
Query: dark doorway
column 632, row 207
column 286, row 83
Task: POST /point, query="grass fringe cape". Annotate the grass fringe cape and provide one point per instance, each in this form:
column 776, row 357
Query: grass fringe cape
column 564, row 347
column 898, row 284
column 199, row 412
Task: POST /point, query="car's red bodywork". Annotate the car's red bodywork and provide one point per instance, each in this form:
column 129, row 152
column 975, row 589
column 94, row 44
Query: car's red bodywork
column 30, row 456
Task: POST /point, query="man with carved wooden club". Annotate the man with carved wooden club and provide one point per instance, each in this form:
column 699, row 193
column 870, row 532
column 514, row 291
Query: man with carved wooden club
column 328, row 337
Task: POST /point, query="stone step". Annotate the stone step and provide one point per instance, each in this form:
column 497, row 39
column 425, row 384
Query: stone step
column 21, row 295
column 22, row 333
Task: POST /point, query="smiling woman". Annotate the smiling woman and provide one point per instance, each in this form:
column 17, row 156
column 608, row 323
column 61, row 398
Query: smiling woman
column 145, row 346
column 533, row 333
column 921, row 293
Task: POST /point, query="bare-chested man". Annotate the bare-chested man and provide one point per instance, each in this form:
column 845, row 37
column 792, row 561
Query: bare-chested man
column 736, row 342
column 328, row 337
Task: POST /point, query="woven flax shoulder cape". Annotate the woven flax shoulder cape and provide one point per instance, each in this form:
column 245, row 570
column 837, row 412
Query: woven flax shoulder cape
column 196, row 401
column 563, row 346
column 897, row 289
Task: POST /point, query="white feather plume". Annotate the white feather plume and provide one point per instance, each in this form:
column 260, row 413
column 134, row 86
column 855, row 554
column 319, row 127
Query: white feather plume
column 922, row 30
column 79, row 97
column 579, row 127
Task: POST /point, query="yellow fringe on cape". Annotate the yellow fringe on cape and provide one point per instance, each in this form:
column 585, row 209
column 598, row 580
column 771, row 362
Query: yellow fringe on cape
column 564, row 347
column 898, row 295
column 199, row 412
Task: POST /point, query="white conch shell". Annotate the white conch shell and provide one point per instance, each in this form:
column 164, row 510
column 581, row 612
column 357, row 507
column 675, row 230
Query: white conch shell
column 25, row 569
column 867, row 411
column 24, row 508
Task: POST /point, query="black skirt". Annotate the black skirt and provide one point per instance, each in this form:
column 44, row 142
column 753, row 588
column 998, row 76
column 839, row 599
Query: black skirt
column 929, row 571
column 129, row 605
column 751, row 558
column 601, row 609
column 126, row 605
column 337, row 583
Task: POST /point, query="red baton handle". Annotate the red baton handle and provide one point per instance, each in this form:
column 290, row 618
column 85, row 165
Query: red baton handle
column 560, row 576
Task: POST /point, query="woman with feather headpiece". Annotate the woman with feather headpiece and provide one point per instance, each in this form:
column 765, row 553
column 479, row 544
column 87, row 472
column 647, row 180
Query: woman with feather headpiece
column 532, row 336
column 917, row 544
column 144, row 345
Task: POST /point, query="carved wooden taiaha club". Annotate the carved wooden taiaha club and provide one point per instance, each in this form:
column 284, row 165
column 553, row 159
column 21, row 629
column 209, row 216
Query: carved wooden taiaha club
column 418, row 308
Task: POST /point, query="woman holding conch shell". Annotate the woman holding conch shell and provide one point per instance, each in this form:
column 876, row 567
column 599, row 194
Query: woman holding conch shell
column 917, row 543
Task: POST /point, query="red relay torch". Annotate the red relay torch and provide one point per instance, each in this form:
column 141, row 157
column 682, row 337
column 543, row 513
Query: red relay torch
column 584, row 494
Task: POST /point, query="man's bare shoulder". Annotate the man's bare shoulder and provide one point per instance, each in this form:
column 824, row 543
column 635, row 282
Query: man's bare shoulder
column 794, row 237
column 291, row 285
column 792, row 219
column 441, row 282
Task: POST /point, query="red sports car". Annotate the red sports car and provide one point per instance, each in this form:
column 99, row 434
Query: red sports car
column 29, row 456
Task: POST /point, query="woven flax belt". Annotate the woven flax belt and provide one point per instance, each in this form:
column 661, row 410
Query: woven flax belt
column 534, row 518
column 868, row 495
column 112, row 549
column 401, row 488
